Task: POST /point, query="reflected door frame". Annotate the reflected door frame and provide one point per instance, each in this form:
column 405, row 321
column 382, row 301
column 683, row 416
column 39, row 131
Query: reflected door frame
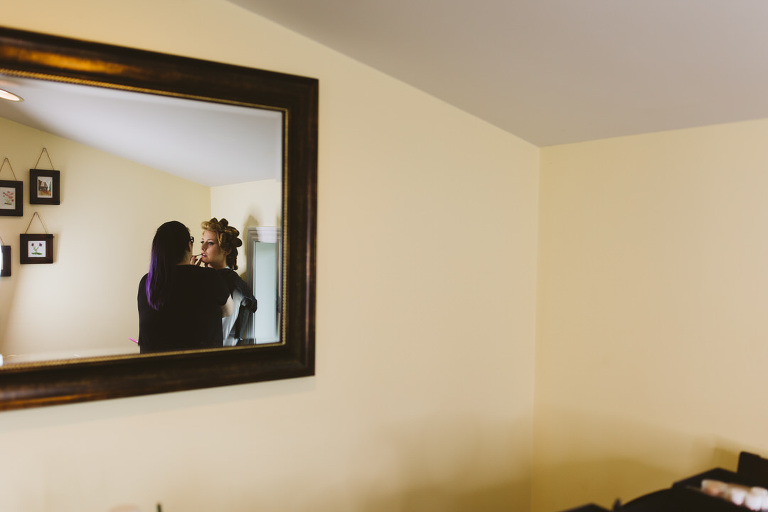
column 263, row 274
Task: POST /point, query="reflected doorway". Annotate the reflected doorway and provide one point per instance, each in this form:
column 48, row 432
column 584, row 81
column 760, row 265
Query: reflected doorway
column 263, row 274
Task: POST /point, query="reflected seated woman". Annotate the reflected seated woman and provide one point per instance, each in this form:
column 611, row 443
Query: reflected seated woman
column 180, row 305
column 218, row 250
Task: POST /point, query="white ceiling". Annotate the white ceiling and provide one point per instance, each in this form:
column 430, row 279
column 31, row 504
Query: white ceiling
column 557, row 71
column 209, row 143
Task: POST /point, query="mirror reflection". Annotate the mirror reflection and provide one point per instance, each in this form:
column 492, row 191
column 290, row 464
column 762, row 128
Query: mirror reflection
column 130, row 161
column 264, row 277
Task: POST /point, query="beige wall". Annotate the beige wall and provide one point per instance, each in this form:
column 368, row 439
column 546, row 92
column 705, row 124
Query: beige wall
column 423, row 398
column 653, row 295
column 110, row 207
column 650, row 303
column 244, row 205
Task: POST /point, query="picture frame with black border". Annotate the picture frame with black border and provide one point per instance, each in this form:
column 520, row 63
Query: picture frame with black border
column 11, row 198
column 5, row 270
column 44, row 186
column 36, row 248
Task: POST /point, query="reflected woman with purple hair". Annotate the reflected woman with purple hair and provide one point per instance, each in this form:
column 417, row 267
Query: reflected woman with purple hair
column 180, row 305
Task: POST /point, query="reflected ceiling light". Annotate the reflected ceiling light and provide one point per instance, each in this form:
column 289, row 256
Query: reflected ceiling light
column 9, row 96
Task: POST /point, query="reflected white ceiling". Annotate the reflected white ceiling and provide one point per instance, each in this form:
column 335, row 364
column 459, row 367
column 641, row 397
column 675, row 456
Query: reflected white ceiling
column 557, row 71
column 212, row 144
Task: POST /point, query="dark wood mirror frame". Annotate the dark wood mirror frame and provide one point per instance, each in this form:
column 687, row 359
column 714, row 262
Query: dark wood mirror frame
column 48, row 57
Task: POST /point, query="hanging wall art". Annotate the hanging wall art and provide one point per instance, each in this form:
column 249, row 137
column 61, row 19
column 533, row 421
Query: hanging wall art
column 5, row 259
column 36, row 248
column 44, row 185
column 11, row 194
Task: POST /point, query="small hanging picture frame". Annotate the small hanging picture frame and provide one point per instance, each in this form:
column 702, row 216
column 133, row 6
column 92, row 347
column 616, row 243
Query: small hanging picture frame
column 5, row 261
column 44, row 185
column 36, row 248
column 11, row 194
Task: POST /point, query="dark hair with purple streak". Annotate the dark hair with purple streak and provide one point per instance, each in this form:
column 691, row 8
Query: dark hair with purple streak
column 169, row 247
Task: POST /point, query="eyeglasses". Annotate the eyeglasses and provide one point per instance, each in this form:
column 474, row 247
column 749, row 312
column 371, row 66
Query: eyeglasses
column 191, row 239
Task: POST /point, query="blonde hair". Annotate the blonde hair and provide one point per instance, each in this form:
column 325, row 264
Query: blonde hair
column 227, row 237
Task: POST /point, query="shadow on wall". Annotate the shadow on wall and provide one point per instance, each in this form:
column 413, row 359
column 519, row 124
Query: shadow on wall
column 448, row 498
column 9, row 283
column 456, row 464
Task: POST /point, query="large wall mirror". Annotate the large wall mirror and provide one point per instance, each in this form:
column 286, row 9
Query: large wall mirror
column 141, row 138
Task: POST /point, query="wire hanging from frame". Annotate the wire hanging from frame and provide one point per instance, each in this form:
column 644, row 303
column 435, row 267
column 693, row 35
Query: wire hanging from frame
column 41, row 156
column 9, row 165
